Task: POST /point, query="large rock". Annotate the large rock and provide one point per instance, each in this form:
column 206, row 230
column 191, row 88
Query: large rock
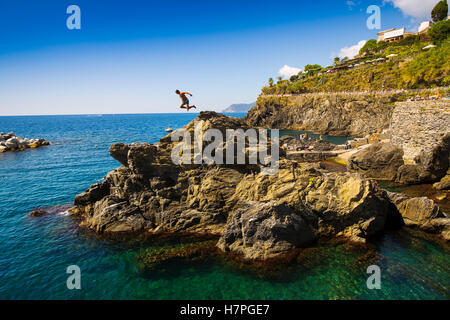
column 265, row 230
column 423, row 213
column 119, row 151
column 378, row 161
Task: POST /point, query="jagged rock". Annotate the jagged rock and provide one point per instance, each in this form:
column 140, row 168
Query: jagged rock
column 119, row 151
column 112, row 214
column 423, row 213
column 378, row 161
column 265, row 230
column 140, row 157
column 149, row 192
column 338, row 202
column 95, row 193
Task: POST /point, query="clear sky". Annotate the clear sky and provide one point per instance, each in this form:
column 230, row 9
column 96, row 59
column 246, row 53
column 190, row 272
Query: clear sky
column 130, row 56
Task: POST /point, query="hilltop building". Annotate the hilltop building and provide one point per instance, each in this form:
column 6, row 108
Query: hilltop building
column 380, row 35
column 393, row 34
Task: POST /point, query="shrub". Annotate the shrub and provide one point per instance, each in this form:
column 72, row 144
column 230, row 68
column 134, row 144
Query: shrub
column 439, row 32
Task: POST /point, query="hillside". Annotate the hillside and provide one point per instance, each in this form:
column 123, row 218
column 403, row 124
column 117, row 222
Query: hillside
column 404, row 64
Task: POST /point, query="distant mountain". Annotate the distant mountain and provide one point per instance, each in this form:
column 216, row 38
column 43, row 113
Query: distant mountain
column 239, row 107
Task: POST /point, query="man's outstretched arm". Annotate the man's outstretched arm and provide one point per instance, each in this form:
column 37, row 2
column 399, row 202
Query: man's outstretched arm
column 187, row 93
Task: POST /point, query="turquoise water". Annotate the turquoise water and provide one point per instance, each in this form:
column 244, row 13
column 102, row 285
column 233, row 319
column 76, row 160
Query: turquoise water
column 37, row 251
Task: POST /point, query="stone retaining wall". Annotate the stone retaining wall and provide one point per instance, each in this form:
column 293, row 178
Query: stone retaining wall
column 419, row 126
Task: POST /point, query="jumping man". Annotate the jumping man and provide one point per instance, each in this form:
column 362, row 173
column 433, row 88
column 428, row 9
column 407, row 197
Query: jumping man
column 185, row 100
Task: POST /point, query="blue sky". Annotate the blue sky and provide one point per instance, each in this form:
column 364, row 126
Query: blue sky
column 130, row 56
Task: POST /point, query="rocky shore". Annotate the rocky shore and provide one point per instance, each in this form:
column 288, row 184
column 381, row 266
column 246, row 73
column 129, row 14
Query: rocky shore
column 255, row 215
column 11, row 142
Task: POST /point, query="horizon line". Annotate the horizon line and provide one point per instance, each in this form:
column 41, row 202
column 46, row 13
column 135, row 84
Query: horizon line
column 101, row 114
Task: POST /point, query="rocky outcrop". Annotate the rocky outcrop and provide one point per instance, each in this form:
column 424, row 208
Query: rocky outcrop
column 11, row 142
column 332, row 113
column 294, row 206
column 422, row 213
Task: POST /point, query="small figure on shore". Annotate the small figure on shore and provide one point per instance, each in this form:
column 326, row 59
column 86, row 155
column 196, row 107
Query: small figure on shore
column 184, row 100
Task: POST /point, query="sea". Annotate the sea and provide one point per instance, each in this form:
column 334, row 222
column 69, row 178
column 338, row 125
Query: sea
column 36, row 251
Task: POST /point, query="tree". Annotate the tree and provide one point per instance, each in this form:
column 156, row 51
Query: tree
column 336, row 60
column 440, row 11
column 439, row 32
column 293, row 78
column 279, row 79
column 270, row 82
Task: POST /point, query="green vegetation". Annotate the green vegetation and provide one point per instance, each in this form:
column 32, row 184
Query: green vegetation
column 440, row 11
column 439, row 32
column 312, row 69
column 430, row 68
column 402, row 64
column 370, row 45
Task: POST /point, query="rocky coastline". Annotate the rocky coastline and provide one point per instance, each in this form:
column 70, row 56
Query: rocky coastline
column 254, row 215
column 11, row 142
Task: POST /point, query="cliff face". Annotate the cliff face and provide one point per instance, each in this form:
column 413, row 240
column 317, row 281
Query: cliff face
column 333, row 114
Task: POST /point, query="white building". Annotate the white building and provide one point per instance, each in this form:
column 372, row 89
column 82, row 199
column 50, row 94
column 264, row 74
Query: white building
column 424, row 26
column 394, row 35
